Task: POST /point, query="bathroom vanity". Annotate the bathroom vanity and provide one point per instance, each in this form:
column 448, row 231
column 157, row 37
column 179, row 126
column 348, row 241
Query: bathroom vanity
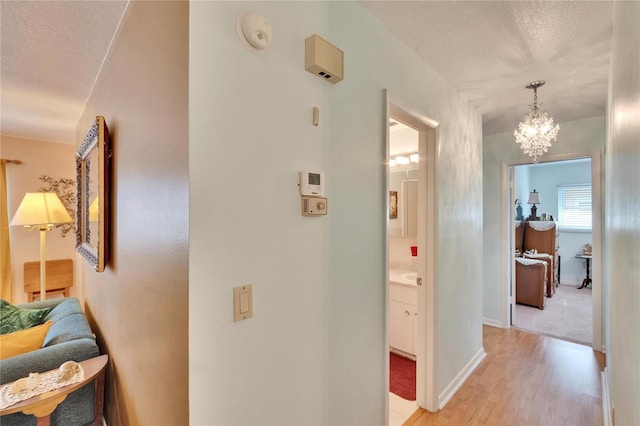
column 403, row 312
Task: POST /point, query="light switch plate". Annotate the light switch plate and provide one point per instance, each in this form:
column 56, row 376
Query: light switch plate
column 242, row 302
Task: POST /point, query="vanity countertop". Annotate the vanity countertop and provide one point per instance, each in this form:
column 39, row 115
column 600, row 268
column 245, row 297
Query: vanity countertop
column 402, row 277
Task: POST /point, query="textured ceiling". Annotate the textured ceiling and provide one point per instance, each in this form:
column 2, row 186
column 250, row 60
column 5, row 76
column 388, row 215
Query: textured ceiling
column 51, row 52
column 491, row 50
column 402, row 139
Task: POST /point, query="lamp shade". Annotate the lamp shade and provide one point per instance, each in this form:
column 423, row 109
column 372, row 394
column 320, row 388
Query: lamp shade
column 41, row 208
column 534, row 198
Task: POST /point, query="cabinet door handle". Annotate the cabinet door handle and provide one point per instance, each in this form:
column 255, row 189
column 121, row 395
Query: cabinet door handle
column 407, row 313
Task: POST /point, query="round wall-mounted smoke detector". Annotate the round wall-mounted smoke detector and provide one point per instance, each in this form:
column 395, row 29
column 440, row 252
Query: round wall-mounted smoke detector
column 254, row 31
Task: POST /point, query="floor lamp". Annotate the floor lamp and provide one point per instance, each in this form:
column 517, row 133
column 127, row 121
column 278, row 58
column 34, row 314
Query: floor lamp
column 41, row 210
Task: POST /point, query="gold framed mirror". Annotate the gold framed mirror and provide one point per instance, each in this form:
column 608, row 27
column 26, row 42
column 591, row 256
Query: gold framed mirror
column 93, row 159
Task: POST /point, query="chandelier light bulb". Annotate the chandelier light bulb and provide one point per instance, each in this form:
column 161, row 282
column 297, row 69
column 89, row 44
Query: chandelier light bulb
column 536, row 132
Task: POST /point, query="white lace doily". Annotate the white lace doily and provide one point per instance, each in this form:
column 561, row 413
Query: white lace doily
column 526, row 261
column 538, row 255
column 48, row 382
column 542, row 225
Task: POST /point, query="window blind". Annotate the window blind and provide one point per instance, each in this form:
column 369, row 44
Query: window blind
column 574, row 206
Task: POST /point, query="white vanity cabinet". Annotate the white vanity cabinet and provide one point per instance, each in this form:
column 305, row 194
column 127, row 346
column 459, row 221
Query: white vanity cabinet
column 403, row 317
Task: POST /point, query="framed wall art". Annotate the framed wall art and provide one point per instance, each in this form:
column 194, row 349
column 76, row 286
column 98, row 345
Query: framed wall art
column 393, row 204
column 93, row 159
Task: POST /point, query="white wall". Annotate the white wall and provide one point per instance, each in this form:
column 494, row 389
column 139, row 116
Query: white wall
column 39, row 158
column 522, row 188
column 623, row 218
column 546, row 177
column 356, row 157
column 315, row 350
column 575, row 137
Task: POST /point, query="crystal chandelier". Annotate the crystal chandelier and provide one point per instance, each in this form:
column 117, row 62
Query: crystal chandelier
column 536, row 131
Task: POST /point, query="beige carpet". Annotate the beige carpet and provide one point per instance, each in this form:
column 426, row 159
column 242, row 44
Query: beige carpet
column 567, row 315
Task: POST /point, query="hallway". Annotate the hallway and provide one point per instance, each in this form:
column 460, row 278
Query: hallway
column 526, row 379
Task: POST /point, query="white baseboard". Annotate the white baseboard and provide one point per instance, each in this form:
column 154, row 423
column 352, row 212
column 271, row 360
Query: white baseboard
column 571, row 283
column 606, row 401
column 492, row 323
column 459, row 380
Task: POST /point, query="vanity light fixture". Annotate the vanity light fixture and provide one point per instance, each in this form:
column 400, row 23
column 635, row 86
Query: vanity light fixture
column 404, row 160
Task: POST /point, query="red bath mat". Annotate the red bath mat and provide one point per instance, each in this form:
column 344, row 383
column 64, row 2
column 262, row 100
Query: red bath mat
column 402, row 377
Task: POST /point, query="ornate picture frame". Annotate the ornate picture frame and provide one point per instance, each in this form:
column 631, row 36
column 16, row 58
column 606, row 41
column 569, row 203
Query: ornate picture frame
column 393, row 204
column 93, row 159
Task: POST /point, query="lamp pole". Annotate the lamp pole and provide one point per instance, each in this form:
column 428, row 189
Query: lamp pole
column 43, row 262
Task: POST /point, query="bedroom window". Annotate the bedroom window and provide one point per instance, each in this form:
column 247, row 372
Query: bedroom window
column 574, row 207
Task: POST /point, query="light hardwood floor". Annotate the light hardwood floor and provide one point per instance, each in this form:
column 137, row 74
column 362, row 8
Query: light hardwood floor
column 526, row 379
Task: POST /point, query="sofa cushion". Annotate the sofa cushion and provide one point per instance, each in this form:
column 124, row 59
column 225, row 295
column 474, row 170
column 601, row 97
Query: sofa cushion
column 14, row 318
column 65, row 308
column 71, row 327
column 69, row 323
column 23, row 341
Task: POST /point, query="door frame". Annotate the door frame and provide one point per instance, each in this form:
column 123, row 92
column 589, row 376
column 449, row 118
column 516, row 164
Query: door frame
column 597, row 226
column 426, row 373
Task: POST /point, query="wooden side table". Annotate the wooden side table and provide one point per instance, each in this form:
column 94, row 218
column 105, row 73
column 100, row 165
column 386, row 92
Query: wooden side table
column 44, row 404
column 587, row 279
column 59, row 278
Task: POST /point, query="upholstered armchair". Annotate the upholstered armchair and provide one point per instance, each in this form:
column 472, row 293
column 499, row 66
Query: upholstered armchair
column 531, row 280
column 541, row 237
column 537, row 240
column 519, row 237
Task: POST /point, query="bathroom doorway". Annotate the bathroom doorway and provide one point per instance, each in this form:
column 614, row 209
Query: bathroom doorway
column 402, row 240
column 410, row 249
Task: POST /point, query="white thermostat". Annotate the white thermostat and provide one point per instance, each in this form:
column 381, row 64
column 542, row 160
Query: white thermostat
column 311, row 183
column 313, row 206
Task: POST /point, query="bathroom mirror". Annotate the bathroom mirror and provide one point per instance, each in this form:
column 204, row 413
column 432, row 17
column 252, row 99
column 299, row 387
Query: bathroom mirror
column 404, row 183
column 410, row 208
column 92, row 214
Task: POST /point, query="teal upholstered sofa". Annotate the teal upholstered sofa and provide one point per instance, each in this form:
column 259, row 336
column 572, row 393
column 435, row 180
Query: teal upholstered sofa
column 69, row 338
